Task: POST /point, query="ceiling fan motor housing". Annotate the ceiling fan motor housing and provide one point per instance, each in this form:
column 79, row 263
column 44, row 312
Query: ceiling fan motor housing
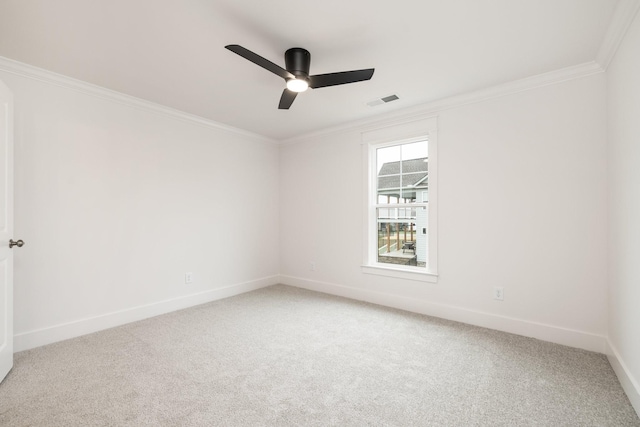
column 297, row 61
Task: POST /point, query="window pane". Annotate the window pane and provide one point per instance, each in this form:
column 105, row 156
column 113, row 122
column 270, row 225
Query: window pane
column 388, row 169
column 414, row 168
column 402, row 235
column 385, row 156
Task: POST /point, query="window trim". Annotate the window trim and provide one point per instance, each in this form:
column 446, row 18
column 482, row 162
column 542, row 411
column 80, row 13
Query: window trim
column 397, row 134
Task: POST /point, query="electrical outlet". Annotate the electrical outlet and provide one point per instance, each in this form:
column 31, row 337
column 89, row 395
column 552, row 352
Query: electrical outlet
column 312, row 266
column 188, row 278
column 498, row 293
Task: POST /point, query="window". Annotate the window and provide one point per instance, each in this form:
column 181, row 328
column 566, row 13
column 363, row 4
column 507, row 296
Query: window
column 402, row 185
column 401, row 214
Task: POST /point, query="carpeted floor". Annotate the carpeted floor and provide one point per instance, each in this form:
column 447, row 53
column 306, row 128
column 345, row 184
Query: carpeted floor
column 283, row 356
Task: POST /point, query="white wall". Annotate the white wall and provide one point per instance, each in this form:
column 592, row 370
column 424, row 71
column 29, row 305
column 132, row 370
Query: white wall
column 522, row 204
column 623, row 90
column 115, row 204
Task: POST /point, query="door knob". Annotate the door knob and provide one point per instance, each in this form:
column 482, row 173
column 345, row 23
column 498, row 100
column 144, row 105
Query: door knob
column 19, row 243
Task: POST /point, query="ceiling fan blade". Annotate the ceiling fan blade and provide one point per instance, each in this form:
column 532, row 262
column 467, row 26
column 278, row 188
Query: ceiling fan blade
column 333, row 79
column 287, row 99
column 259, row 60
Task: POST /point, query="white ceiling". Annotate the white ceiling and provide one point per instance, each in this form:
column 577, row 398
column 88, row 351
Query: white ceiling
column 172, row 51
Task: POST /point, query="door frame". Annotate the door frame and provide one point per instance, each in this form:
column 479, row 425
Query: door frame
column 6, row 230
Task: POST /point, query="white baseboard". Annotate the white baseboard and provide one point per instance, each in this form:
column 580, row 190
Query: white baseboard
column 544, row 332
column 628, row 382
column 40, row 337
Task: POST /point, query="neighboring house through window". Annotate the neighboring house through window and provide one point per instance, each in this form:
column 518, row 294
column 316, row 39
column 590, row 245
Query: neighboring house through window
column 401, row 208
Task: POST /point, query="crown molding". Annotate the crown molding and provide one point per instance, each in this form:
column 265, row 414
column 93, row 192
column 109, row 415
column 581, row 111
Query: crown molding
column 432, row 108
column 411, row 113
column 623, row 16
column 29, row 71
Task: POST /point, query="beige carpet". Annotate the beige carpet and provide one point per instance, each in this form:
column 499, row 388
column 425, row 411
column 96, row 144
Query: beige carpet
column 282, row 356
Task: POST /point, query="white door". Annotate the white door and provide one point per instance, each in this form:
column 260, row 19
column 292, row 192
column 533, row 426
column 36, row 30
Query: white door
column 6, row 230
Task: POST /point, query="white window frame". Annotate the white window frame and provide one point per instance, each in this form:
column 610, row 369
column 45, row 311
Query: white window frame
column 399, row 133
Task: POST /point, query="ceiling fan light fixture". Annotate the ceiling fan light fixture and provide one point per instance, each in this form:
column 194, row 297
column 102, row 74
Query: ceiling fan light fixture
column 297, row 85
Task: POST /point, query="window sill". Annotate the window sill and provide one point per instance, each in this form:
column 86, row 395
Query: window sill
column 400, row 273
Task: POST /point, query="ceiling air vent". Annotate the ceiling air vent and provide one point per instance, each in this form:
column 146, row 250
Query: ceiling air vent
column 383, row 100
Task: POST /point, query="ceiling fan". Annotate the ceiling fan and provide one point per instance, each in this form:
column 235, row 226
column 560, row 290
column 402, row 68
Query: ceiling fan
column 296, row 74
